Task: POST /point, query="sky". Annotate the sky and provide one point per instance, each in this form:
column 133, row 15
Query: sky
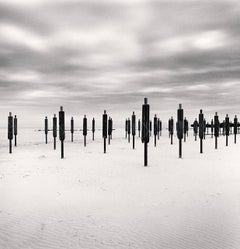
column 93, row 55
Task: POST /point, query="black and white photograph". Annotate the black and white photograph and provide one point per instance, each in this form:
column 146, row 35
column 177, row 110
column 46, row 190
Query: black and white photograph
column 119, row 124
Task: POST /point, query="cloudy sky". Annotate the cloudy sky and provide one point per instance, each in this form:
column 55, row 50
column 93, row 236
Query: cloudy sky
column 94, row 55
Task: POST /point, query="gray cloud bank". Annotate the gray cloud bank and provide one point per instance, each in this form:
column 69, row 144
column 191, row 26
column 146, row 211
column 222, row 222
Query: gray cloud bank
column 91, row 55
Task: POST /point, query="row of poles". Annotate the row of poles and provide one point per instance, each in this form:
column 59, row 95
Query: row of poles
column 144, row 127
column 107, row 128
column 182, row 127
column 200, row 128
column 130, row 125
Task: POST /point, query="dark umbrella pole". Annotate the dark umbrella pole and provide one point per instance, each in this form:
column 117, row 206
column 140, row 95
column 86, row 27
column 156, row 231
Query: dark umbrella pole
column 216, row 129
column 201, row 130
column 235, row 127
column 110, row 123
column 180, row 128
column 46, row 129
column 171, row 122
column 15, row 130
column 104, row 130
column 145, row 129
column 133, row 129
column 129, row 129
column 227, row 128
column 85, row 130
column 139, row 128
column 62, row 130
column 155, row 129
column 93, row 128
column 72, row 128
column 54, row 131
column 10, row 131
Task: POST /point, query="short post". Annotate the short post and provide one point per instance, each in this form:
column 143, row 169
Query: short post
column 155, row 129
column 109, row 129
column 158, row 128
column 72, row 128
column 133, row 128
column 235, row 126
column 104, row 130
column 85, row 130
column 227, row 128
column 145, row 129
column 10, row 131
column 128, row 129
column 139, row 128
column 171, row 128
column 46, row 129
column 54, row 131
column 216, row 129
column 201, row 129
column 15, row 130
column 180, row 127
column 62, row 130
column 93, row 128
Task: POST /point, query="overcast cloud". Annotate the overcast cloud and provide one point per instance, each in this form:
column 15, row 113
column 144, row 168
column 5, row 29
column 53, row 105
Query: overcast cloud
column 95, row 55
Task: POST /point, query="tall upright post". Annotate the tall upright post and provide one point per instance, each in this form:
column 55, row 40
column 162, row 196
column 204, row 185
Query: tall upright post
column 62, row 130
column 155, row 129
column 227, row 128
column 235, row 126
column 15, row 130
column 139, row 128
column 85, row 130
column 10, row 131
column 72, row 128
column 216, row 129
column 201, row 129
column 133, row 128
column 54, row 131
column 104, row 130
column 93, row 128
column 145, row 129
column 171, row 128
column 180, row 128
column 128, row 129
column 109, row 129
column 46, row 129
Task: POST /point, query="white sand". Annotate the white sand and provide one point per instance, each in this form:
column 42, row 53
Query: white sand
column 91, row 200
